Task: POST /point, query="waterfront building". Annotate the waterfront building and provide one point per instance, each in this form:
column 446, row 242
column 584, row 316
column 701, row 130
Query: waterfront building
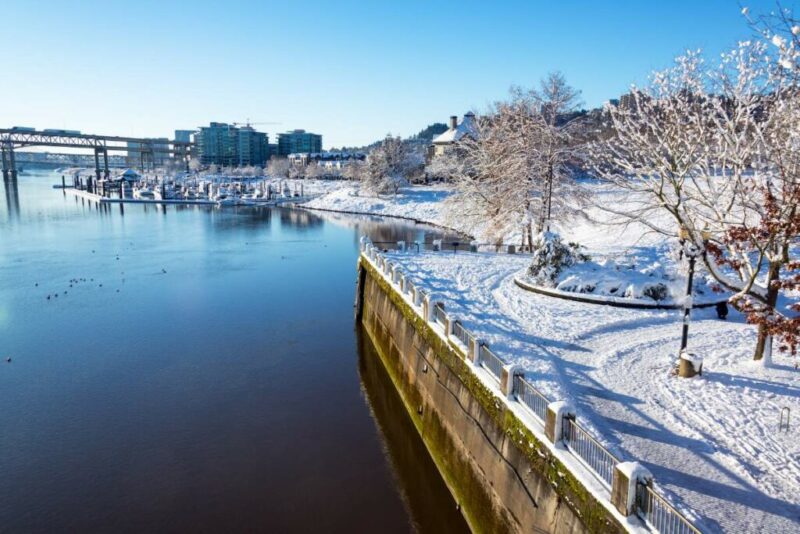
column 299, row 142
column 454, row 133
column 217, row 144
column 161, row 153
column 154, row 152
column 224, row 144
column 184, row 136
column 253, row 147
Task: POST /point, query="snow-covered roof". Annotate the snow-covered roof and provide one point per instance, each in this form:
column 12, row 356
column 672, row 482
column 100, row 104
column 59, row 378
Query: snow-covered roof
column 465, row 127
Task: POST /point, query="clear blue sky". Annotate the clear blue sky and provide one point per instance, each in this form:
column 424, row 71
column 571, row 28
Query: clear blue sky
column 352, row 71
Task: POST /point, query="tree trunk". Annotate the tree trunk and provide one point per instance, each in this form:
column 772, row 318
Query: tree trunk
column 524, row 237
column 763, row 345
column 530, row 237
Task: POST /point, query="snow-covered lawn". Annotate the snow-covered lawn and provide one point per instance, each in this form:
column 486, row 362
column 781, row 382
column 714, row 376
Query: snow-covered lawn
column 625, row 261
column 711, row 442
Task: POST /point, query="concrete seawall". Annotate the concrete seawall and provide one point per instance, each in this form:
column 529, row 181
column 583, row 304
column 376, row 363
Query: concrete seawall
column 502, row 476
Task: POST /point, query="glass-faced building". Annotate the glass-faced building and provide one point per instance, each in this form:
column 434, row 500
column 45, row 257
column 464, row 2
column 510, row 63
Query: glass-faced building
column 299, row 142
column 225, row 144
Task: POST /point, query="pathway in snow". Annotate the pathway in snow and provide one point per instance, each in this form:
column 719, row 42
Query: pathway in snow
column 710, row 442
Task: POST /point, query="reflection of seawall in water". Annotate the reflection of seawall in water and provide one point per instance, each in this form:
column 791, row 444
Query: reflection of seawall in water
column 425, row 494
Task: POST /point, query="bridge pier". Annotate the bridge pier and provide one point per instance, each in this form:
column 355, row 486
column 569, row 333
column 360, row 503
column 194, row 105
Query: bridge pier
column 97, row 163
column 9, row 162
column 106, row 172
column 5, row 162
column 13, row 161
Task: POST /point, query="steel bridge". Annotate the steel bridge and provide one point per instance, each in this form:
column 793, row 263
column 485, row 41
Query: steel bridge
column 12, row 139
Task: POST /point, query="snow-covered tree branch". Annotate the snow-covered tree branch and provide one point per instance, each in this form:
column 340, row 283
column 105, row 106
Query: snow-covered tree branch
column 713, row 151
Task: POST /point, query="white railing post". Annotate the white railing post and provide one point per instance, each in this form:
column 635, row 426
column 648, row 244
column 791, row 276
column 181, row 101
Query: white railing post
column 475, row 350
column 430, row 304
column 437, row 245
column 449, row 322
column 401, row 246
column 623, row 488
column 510, row 370
column 556, row 413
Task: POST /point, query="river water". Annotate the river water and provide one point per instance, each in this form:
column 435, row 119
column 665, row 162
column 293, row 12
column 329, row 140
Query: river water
column 196, row 369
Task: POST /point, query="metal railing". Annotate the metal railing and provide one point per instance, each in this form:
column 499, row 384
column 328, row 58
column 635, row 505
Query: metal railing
column 531, row 397
column 589, row 450
column 659, row 514
column 491, row 361
column 438, row 314
column 451, row 246
column 462, row 334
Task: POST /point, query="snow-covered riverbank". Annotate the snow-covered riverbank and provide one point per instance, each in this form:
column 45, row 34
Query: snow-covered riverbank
column 417, row 203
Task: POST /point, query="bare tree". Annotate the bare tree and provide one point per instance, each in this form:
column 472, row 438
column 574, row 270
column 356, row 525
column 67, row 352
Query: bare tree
column 278, row 168
column 512, row 173
column 557, row 101
column 391, row 165
column 314, row 171
column 354, row 170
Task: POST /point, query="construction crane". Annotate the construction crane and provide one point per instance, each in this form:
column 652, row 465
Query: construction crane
column 249, row 124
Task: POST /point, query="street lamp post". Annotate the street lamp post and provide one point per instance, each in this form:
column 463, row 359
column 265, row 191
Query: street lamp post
column 692, row 251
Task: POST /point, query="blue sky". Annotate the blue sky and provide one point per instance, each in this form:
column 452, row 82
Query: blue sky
column 352, row 71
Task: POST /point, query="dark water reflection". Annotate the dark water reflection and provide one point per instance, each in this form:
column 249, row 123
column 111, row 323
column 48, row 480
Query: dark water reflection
column 198, row 371
column 414, row 469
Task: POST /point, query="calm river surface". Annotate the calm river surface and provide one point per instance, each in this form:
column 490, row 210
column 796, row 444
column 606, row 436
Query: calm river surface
column 198, row 370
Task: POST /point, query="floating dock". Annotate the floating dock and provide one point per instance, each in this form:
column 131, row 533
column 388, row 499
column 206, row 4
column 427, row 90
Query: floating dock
column 201, row 202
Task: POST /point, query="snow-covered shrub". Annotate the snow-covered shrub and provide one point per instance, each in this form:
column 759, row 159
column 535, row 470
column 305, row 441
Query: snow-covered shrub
column 656, row 291
column 551, row 256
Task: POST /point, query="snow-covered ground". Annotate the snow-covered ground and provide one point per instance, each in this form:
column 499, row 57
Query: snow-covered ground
column 420, row 203
column 624, row 260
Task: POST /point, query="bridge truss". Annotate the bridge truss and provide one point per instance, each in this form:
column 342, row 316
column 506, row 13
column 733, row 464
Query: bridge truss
column 12, row 139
